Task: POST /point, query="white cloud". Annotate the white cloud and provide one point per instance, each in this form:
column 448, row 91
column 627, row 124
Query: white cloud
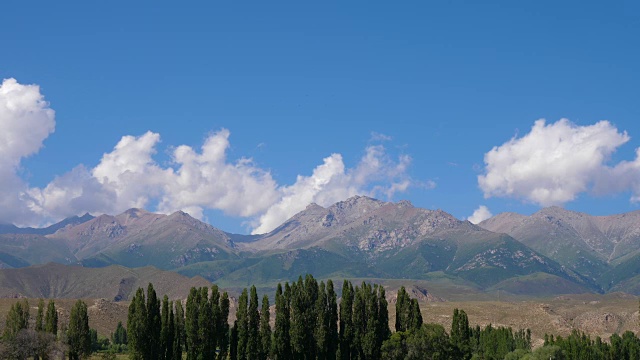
column 553, row 163
column 194, row 181
column 379, row 137
column 376, row 174
column 481, row 214
column 26, row 120
column 129, row 177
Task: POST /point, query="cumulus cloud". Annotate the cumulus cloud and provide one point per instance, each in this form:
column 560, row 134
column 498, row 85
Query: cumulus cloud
column 553, row 163
column 376, row 174
column 481, row 214
column 195, row 180
column 26, row 120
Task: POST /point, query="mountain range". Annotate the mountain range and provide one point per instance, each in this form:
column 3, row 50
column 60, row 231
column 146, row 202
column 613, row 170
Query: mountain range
column 553, row 251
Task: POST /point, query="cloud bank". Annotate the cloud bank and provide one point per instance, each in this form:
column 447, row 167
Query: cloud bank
column 554, row 163
column 194, row 181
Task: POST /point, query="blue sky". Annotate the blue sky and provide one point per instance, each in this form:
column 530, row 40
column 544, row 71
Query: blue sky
column 294, row 83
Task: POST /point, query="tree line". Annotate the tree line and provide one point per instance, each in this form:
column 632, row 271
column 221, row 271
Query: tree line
column 309, row 324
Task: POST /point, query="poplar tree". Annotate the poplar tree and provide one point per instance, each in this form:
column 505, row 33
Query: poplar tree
column 179, row 333
column 253, row 339
column 192, row 324
column 40, row 316
column 223, row 326
column 17, row 319
column 242, row 325
column 170, row 334
column 281, row 339
column 346, row 321
column 321, row 332
column 153, row 323
column 403, row 304
column 79, row 334
column 383, row 331
column 415, row 317
column 460, row 333
column 51, row 318
column 332, row 336
column 206, row 326
column 164, row 331
column 214, row 305
column 119, row 337
column 137, row 335
column 265, row 330
column 233, row 341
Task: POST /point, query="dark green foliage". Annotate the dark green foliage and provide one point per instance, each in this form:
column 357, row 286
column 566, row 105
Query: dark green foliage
column 322, row 322
column 206, row 326
column 17, row 319
column 137, row 335
column 51, row 318
column 369, row 332
column 408, row 314
column 179, row 331
column 153, row 323
column 119, row 337
column 429, row 342
column 403, row 304
column 461, row 334
column 281, row 340
column 40, row 316
column 193, row 345
column 304, row 295
column 223, row 326
column 98, row 343
column 580, row 346
column 415, row 317
column 164, row 329
column 253, row 340
column 346, row 321
column 242, row 324
column 171, row 334
column 78, row 333
column 214, row 324
column 233, row 341
column 201, row 323
column 265, row 329
column 332, row 309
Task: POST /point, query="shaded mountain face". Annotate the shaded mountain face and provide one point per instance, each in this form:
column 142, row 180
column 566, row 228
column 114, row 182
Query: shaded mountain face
column 596, row 246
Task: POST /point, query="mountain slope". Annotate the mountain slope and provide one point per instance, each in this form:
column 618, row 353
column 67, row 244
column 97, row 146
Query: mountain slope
column 399, row 240
column 113, row 282
column 21, row 250
column 603, row 248
column 140, row 238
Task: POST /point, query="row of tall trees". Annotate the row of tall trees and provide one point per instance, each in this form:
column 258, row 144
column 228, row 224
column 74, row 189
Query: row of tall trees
column 44, row 340
column 308, row 324
column 164, row 330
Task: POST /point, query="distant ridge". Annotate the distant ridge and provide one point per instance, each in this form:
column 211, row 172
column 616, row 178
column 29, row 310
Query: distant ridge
column 73, row 220
column 603, row 248
column 551, row 251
